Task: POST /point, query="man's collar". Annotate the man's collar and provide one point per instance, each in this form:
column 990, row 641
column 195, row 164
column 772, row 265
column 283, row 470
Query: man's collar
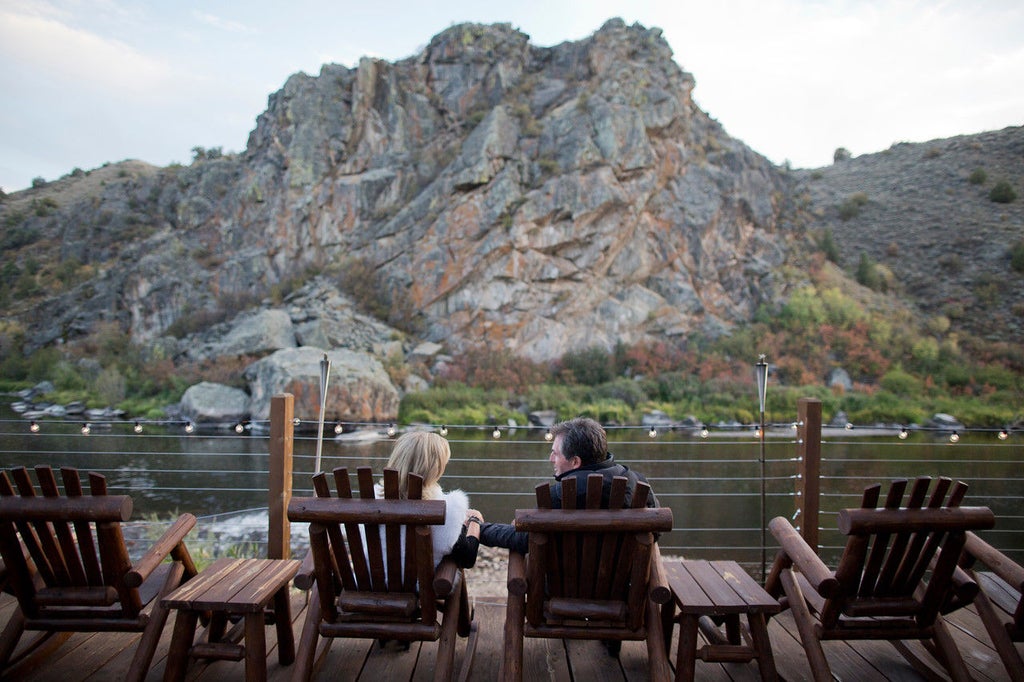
column 608, row 462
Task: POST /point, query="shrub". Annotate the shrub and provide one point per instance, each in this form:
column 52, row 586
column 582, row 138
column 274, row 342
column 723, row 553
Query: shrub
column 1017, row 256
column 841, row 154
column 828, row 246
column 977, row 177
column 867, row 273
column 1002, row 193
column 851, row 206
column 590, row 366
column 899, row 382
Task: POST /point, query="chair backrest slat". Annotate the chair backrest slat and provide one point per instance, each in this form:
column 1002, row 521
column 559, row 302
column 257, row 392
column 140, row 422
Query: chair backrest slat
column 610, row 549
column 83, row 531
column 393, row 536
column 897, row 557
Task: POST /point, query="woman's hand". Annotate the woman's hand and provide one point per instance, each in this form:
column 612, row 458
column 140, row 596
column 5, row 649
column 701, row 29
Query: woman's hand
column 473, row 521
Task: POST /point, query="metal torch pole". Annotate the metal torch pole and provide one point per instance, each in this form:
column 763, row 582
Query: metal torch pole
column 325, row 375
column 762, row 384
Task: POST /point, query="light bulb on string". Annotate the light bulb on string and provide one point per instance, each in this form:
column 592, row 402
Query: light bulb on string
column 903, row 434
column 548, row 436
column 1003, row 435
column 34, row 427
column 496, row 434
column 296, row 421
column 338, row 429
column 189, row 427
column 757, row 432
column 444, row 431
column 86, row 429
column 849, row 426
column 391, row 431
column 653, row 433
column 239, row 428
column 704, row 433
column 954, row 437
column 137, row 428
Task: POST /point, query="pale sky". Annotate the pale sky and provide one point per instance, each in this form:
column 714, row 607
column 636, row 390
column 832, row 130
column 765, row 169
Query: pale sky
column 84, row 82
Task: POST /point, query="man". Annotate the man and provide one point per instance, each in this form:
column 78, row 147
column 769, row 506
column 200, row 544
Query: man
column 579, row 448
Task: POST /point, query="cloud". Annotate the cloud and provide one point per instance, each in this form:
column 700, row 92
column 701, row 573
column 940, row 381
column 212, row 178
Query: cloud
column 224, row 24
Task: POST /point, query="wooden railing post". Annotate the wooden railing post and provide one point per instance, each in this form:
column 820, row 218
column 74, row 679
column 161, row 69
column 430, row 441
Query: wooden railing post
column 808, row 450
column 282, row 432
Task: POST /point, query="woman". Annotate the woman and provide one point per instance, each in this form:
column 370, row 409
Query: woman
column 427, row 454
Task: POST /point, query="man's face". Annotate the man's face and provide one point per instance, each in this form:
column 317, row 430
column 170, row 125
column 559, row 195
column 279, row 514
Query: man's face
column 558, row 461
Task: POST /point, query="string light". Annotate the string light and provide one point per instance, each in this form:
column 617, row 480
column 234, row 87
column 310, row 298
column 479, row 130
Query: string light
column 1003, row 435
column 757, row 432
column 496, row 433
column 137, row 428
column 903, row 434
column 338, row 429
column 954, row 437
column 391, row 431
column 548, row 436
column 86, row 429
column 239, row 428
column 296, row 421
column 849, row 426
column 704, row 433
column 653, row 433
column 189, row 427
column 34, row 427
column 444, row 431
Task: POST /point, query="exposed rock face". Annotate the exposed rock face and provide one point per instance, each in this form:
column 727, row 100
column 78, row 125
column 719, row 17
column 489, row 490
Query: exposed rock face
column 253, row 333
column 210, row 403
column 545, row 199
column 358, row 388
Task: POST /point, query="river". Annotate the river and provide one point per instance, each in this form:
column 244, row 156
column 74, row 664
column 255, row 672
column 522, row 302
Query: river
column 713, row 485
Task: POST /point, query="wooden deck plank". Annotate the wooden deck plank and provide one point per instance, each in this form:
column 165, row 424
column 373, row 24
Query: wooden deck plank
column 106, row 656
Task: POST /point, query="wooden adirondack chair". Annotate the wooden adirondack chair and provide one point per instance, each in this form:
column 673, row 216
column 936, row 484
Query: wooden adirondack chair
column 372, row 571
column 69, row 568
column 894, row 580
column 1000, row 602
column 590, row 573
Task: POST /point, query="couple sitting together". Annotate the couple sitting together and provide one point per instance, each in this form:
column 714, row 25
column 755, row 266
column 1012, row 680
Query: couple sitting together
column 579, row 448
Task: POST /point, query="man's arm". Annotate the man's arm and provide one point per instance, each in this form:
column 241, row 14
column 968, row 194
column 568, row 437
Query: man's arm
column 504, row 535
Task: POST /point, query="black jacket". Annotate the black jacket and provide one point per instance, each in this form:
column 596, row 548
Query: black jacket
column 505, row 535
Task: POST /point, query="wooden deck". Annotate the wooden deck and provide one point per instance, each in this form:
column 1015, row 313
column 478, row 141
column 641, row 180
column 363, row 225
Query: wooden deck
column 106, row 656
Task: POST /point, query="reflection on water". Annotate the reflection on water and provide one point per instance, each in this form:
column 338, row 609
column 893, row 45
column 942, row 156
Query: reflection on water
column 712, row 485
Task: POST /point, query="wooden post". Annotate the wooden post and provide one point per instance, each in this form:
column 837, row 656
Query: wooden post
column 808, row 449
column 282, row 441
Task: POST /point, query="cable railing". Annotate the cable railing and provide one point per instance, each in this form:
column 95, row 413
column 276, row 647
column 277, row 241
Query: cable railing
column 717, row 480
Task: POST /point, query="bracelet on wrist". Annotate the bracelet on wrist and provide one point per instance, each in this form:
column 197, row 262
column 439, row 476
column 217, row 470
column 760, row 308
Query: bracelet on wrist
column 474, row 519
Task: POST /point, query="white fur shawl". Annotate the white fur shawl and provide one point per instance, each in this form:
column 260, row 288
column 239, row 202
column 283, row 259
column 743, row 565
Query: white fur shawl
column 444, row 537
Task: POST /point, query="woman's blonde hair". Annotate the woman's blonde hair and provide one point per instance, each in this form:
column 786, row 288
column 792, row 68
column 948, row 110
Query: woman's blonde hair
column 423, row 453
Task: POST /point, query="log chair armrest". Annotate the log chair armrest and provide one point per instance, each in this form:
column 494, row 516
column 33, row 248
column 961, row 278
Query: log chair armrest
column 445, row 576
column 1000, row 564
column 516, row 573
column 306, row 576
column 804, row 557
column 963, row 590
column 160, row 550
column 658, row 588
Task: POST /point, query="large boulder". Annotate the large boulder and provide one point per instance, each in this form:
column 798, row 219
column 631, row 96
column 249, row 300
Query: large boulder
column 210, row 403
column 250, row 333
column 359, row 389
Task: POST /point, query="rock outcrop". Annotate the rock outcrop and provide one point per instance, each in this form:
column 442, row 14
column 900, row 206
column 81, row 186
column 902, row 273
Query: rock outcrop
column 358, row 389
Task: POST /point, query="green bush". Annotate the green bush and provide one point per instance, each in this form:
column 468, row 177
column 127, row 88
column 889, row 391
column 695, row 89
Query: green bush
column 1017, row 256
column 977, row 177
column 899, row 382
column 851, row 206
column 1002, row 193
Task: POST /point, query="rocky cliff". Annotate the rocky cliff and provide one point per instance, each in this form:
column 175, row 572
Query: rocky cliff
column 490, row 191
column 544, row 199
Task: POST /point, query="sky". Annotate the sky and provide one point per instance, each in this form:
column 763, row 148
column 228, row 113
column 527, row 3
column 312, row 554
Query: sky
column 85, row 82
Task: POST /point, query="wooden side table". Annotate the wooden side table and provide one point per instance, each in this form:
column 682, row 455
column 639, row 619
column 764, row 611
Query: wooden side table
column 233, row 587
column 720, row 589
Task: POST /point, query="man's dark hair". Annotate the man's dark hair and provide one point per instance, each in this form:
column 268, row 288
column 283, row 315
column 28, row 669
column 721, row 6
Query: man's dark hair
column 583, row 438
